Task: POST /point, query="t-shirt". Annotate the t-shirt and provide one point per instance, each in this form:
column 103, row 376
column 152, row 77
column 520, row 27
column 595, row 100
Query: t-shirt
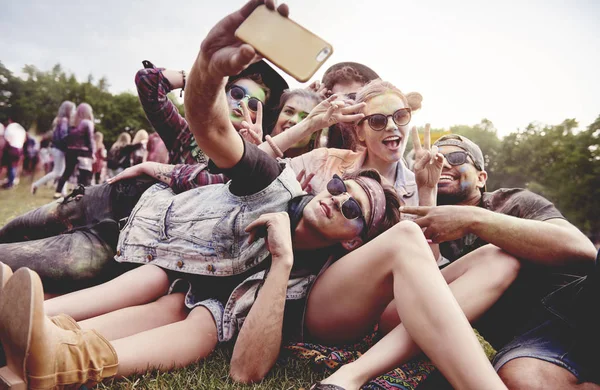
column 253, row 173
column 518, row 305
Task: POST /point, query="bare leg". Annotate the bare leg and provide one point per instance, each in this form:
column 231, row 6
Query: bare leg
column 477, row 281
column 404, row 269
column 535, row 374
column 136, row 319
column 170, row 346
column 138, row 286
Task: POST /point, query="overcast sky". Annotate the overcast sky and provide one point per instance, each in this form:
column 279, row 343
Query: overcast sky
column 513, row 62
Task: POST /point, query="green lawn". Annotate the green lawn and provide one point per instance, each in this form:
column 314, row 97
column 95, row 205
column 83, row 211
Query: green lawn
column 212, row 373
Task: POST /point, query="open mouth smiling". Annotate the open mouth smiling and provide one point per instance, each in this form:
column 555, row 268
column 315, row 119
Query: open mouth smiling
column 392, row 142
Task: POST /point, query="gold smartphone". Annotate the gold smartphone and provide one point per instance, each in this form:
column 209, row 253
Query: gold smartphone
column 294, row 49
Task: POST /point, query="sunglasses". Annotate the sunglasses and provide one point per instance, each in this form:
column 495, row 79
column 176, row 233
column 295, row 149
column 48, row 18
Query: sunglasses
column 350, row 208
column 379, row 122
column 238, row 93
column 460, row 158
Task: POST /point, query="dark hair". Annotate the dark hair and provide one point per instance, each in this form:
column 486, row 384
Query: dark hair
column 345, row 74
column 257, row 78
column 392, row 201
column 342, row 136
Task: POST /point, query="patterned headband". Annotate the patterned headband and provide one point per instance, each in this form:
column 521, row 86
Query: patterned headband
column 377, row 202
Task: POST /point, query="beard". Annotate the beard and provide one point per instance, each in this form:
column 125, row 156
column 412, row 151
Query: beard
column 452, row 198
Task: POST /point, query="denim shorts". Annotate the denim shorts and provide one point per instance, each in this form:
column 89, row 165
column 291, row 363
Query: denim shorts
column 556, row 342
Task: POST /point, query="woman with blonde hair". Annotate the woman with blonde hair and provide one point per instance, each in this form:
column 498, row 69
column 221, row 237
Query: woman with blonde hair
column 139, row 154
column 118, row 154
column 61, row 124
column 99, row 165
column 80, row 148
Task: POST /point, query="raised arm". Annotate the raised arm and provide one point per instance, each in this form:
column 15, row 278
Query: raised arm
column 325, row 114
column 221, row 55
column 259, row 342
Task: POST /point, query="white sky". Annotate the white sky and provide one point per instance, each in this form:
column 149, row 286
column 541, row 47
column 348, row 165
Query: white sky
column 513, row 62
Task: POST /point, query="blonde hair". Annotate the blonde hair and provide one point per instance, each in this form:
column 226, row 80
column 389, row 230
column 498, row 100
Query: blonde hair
column 84, row 111
column 99, row 139
column 379, row 87
column 123, row 139
column 140, row 135
column 66, row 110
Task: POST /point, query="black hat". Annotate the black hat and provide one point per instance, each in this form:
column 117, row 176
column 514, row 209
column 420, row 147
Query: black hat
column 367, row 73
column 276, row 84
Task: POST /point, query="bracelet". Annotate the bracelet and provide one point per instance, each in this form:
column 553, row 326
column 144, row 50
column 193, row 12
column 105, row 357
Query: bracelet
column 274, row 146
column 182, row 88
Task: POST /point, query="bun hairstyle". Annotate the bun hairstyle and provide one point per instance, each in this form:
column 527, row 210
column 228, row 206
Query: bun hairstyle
column 414, row 100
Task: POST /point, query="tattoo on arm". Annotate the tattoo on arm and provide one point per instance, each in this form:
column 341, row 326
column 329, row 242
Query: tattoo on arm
column 163, row 172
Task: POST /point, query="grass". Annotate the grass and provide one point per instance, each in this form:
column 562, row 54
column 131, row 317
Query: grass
column 211, row 373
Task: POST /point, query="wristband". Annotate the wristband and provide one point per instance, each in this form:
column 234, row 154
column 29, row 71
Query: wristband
column 274, row 146
column 182, row 88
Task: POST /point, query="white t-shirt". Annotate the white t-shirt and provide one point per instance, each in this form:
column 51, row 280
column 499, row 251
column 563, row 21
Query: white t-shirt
column 15, row 135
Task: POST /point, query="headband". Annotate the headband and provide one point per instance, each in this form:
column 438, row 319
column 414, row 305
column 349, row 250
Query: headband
column 377, row 202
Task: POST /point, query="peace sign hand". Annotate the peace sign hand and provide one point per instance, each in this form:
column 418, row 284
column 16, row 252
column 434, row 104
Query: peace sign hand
column 428, row 161
column 331, row 111
column 252, row 131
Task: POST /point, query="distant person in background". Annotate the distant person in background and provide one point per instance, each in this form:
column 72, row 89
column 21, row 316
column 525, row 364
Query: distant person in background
column 99, row 165
column 157, row 150
column 2, row 143
column 15, row 135
column 118, row 156
column 80, row 148
column 31, row 158
column 139, row 146
column 60, row 126
column 45, row 157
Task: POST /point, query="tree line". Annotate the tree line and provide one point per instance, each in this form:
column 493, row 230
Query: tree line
column 33, row 101
column 558, row 162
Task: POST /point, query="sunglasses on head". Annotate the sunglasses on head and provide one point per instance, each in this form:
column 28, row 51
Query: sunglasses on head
column 379, row 122
column 238, row 93
column 350, row 208
column 459, row 158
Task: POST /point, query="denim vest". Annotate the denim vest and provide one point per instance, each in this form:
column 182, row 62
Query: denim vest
column 201, row 231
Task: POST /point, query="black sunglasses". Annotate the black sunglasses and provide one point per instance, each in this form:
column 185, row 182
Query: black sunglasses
column 238, row 93
column 350, row 208
column 379, row 122
column 459, row 158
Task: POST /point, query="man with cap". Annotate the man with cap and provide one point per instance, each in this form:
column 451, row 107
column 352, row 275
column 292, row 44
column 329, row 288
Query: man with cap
column 257, row 83
column 526, row 226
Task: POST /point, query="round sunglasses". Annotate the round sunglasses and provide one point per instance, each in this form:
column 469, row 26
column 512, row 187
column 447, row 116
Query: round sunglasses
column 459, row 158
column 350, row 208
column 379, row 122
column 238, row 93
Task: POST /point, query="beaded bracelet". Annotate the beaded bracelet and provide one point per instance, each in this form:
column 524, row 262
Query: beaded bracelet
column 274, row 146
column 182, row 88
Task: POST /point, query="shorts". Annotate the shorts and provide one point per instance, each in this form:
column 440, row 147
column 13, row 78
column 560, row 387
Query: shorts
column 556, row 342
column 213, row 292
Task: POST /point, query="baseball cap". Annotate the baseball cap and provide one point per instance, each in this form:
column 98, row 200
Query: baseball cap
column 465, row 144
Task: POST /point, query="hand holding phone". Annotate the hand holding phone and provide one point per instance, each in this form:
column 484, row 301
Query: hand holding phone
column 291, row 47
